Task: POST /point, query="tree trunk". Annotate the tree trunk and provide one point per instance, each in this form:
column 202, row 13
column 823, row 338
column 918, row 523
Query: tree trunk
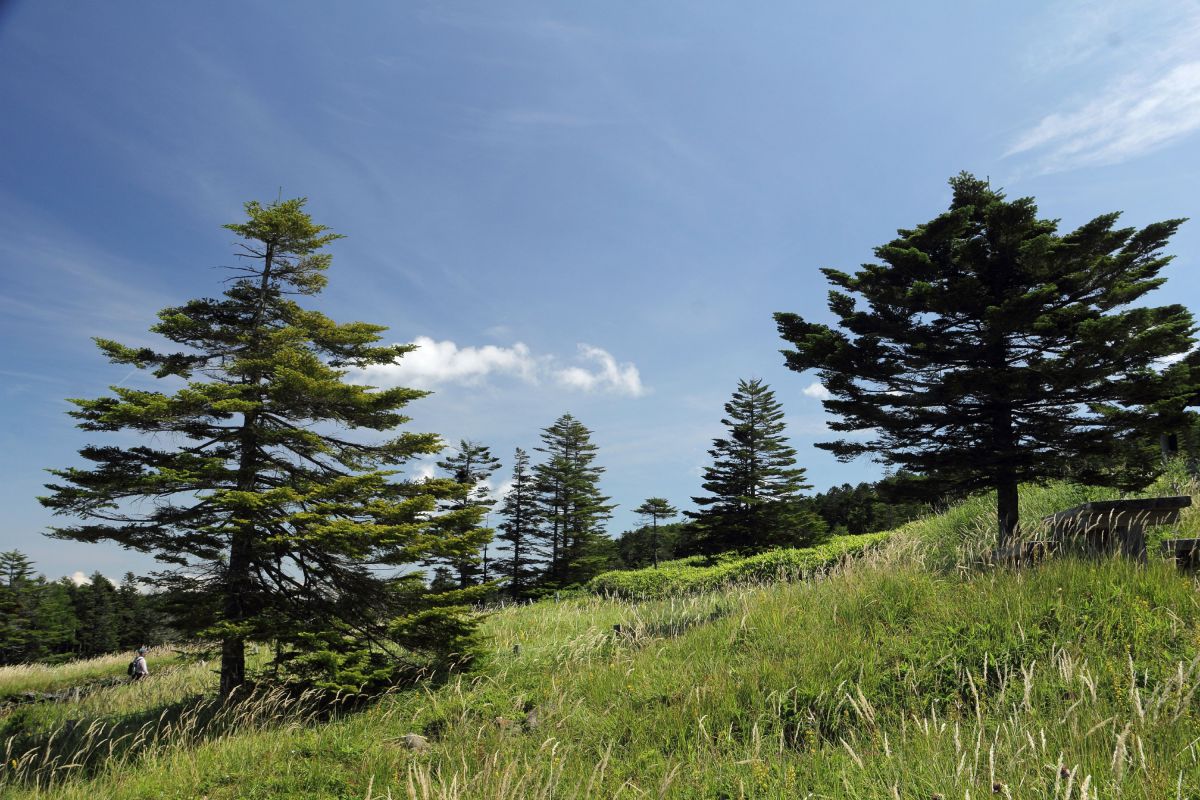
column 1006, row 511
column 233, row 647
column 654, row 539
column 237, row 575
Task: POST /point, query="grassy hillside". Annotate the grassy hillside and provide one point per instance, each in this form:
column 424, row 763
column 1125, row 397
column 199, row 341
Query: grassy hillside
column 898, row 675
column 695, row 574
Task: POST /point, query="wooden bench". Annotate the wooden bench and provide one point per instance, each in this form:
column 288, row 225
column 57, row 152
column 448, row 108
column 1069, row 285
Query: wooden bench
column 1185, row 552
column 1111, row 526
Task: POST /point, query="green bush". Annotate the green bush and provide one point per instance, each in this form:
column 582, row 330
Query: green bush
column 692, row 575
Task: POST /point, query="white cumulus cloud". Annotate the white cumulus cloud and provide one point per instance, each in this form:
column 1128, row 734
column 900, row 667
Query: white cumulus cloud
column 604, row 374
column 435, row 363
column 816, row 390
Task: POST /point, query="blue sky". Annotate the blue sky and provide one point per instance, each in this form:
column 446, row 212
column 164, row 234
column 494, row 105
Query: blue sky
column 577, row 207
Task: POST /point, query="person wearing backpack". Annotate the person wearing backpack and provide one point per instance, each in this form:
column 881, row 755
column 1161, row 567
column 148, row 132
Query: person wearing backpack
column 137, row 668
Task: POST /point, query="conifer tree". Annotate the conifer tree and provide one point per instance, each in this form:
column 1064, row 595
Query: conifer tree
column 655, row 508
column 991, row 350
column 17, row 587
column 753, row 484
column 95, row 604
column 136, row 616
column 471, row 464
column 252, row 486
column 519, row 532
column 570, row 503
column 37, row 620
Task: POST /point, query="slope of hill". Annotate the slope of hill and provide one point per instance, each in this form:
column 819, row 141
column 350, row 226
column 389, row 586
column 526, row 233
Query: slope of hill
column 897, row 675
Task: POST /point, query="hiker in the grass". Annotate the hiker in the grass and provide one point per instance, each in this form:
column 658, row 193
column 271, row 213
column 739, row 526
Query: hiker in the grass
column 137, row 667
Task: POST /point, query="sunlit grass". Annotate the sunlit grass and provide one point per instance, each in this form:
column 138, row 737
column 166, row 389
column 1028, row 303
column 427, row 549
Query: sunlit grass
column 918, row 671
column 19, row 678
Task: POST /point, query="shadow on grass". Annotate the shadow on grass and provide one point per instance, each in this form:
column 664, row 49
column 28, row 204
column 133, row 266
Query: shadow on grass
column 83, row 747
column 36, row 755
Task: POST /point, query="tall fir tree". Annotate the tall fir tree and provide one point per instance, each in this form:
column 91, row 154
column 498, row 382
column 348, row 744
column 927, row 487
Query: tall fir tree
column 654, row 509
column 299, row 533
column 471, row 464
column 992, row 350
column 520, row 530
column 753, row 484
column 570, row 502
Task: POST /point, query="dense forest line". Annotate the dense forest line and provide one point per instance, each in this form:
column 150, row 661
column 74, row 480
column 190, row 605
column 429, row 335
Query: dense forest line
column 53, row 621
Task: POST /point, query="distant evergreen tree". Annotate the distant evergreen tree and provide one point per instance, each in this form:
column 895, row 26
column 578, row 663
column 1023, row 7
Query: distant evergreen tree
column 16, row 569
column 16, row 607
column 519, row 532
column 471, row 464
column 37, row 621
column 990, row 350
column 753, row 484
column 95, row 604
column 865, row 508
column 279, row 524
column 655, row 508
column 637, row 548
column 137, row 617
column 570, row 502
column 54, row 621
column 443, row 580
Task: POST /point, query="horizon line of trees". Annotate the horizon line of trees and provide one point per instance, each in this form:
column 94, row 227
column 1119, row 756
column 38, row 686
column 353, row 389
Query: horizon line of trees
column 52, row 621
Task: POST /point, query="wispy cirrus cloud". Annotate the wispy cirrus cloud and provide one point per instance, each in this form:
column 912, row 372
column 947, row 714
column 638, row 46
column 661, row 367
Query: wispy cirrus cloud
column 435, row 363
column 1147, row 95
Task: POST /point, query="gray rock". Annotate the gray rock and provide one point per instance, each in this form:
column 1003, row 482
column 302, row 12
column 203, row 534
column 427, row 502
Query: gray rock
column 415, row 741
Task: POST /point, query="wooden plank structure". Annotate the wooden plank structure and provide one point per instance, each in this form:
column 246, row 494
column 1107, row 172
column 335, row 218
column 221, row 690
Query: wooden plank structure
column 1113, row 526
column 1185, row 552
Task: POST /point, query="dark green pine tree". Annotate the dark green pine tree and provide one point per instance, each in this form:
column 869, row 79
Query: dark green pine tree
column 250, row 484
column 990, row 350
column 136, row 615
column 471, row 464
column 95, row 604
column 643, row 546
column 570, row 503
column 17, row 601
column 520, row 530
column 654, row 509
column 37, row 621
column 753, row 485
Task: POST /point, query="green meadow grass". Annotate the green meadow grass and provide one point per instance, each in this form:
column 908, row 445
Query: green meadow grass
column 914, row 671
column 693, row 575
column 20, row 678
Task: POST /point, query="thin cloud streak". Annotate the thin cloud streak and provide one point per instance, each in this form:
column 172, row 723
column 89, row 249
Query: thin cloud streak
column 1149, row 102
